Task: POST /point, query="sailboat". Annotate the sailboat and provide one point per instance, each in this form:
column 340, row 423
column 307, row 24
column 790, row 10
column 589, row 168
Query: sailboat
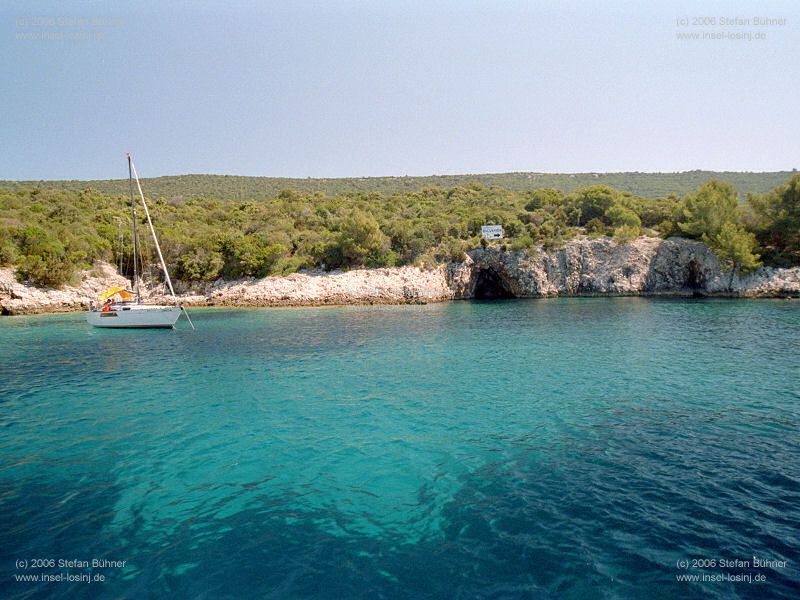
column 123, row 308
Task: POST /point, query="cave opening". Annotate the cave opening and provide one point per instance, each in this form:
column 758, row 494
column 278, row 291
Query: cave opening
column 491, row 286
column 695, row 280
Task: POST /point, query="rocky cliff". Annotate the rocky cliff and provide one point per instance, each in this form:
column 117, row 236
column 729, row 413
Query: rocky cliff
column 583, row 267
column 596, row 267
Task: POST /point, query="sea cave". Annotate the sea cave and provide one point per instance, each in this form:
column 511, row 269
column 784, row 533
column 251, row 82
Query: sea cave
column 490, row 285
column 695, row 280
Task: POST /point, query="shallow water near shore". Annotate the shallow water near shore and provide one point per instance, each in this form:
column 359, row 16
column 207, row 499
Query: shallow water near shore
column 563, row 448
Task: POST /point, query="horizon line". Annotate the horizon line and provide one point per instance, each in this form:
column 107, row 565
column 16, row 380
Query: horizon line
column 599, row 173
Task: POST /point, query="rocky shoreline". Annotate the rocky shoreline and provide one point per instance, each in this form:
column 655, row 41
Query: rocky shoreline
column 583, row 267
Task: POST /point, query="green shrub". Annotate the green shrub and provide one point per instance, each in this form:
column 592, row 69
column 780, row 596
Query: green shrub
column 48, row 270
column 540, row 198
column 454, row 250
column 713, row 215
column 619, row 215
column 596, row 227
column 286, row 265
column 361, row 240
column 8, row 249
column 593, row 202
column 199, row 265
column 734, row 246
column 777, row 222
column 523, row 243
column 625, row 233
column 703, row 213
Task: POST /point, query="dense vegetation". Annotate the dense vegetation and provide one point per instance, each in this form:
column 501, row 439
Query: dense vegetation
column 230, row 187
column 49, row 234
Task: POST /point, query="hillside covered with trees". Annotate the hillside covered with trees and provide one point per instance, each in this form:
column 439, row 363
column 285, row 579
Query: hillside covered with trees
column 232, row 187
column 49, row 234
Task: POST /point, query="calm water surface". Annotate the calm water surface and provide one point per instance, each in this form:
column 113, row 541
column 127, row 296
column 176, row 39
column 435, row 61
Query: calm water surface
column 570, row 448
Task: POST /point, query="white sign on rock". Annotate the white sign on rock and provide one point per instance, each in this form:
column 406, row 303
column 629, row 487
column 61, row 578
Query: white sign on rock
column 492, row 232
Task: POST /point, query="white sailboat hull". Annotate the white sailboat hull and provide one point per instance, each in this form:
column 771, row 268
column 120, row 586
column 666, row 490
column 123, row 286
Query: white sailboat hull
column 135, row 316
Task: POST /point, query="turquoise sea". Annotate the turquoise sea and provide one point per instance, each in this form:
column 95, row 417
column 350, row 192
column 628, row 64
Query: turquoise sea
column 566, row 448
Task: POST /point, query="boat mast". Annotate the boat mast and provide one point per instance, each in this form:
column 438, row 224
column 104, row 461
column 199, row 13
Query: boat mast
column 152, row 230
column 136, row 289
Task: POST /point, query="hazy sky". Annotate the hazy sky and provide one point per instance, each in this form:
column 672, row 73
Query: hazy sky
column 329, row 89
